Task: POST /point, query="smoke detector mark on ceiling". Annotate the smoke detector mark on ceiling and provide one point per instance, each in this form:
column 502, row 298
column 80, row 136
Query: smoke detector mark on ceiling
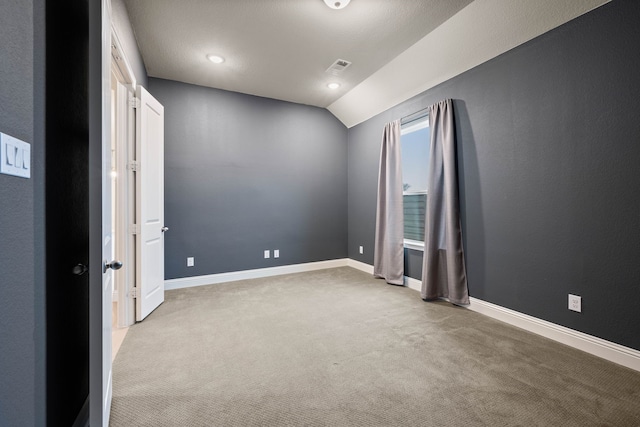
column 338, row 67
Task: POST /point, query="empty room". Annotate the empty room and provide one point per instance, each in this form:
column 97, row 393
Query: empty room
column 320, row 213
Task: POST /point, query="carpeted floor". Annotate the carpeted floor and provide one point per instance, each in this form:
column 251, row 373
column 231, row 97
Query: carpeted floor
column 339, row 348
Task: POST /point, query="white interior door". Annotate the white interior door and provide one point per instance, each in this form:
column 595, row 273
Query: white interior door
column 107, row 279
column 109, row 264
column 149, row 204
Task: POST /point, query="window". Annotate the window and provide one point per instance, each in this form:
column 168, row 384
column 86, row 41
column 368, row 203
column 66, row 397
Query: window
column 415, row 140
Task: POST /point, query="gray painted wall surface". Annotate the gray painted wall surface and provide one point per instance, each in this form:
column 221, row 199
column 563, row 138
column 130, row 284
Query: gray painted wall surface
column 120, row 21
column 549, row 148
column 17, row 290
column 244, row 174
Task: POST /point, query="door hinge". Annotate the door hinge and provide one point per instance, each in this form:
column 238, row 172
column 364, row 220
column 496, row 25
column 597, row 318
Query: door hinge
column 134, row 102
column 134, row 166
column 134, row 229
column 134, row 292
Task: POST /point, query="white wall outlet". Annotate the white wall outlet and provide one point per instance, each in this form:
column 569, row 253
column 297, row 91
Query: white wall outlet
column 267, row 254
column 361, row 250
column 575, row 303
column 191, row 261
column 276, row 253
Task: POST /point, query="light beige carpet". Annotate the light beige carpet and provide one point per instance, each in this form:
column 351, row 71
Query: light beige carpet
column 339, row 348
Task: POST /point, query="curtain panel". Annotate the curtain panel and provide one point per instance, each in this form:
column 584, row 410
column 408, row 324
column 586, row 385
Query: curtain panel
column 443, row 269
column 388, row 258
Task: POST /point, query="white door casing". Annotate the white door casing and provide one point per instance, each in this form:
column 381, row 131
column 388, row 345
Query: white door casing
column 149, row 204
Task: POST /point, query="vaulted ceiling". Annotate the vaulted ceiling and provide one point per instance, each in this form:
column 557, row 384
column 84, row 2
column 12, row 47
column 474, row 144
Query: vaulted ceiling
column 281, row 49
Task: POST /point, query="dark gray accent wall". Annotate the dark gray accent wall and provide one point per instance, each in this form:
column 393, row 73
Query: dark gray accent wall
column 244, row 174
column 20, row 315
column 549, row 148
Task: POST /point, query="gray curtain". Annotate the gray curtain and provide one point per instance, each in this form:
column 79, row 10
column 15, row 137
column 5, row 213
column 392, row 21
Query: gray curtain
column 443, row 269
column 388, row 258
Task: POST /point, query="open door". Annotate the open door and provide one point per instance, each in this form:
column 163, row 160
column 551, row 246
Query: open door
column 109, row 264
column 149, row 204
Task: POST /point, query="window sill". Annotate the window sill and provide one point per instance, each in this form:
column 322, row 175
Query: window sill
column 414, row 244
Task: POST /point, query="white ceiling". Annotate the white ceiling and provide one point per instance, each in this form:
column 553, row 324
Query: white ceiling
column 279, row 48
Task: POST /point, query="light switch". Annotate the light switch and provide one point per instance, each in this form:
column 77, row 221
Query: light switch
column 10, row 154
column 15, row 156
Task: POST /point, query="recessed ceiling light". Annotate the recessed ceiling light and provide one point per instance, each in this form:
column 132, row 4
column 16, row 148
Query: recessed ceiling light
column 337, row 4
column 216, row 59
column 333, row 85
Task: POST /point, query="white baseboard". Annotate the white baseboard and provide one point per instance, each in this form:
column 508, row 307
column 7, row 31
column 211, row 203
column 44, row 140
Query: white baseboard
column 234, row 276
column 412, row 283
column 360, row 265
column 607, row 350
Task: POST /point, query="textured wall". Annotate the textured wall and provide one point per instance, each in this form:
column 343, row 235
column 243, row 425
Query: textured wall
column 244, row 174
column 17, row 290
column 548, row 155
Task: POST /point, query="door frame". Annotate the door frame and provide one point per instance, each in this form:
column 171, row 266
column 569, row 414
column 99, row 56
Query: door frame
column 125, row 184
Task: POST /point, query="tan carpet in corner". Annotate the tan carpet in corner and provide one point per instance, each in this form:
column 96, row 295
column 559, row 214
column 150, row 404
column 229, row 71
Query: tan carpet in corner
column 339, row 348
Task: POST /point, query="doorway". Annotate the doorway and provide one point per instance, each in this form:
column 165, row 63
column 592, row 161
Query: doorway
column 123, row 193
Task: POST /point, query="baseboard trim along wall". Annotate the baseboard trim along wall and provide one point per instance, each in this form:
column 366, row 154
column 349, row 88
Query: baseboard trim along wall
column 234, row 276
column 607, row 350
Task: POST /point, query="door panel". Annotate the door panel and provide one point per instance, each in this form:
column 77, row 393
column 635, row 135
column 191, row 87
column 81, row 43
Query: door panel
column 149, row 203
column 106, row 297
column 67, row 201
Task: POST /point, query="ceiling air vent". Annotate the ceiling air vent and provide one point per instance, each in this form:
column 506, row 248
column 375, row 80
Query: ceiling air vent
column 338, row 67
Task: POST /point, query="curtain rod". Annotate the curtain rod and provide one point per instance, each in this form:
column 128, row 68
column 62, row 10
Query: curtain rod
column 414, row 116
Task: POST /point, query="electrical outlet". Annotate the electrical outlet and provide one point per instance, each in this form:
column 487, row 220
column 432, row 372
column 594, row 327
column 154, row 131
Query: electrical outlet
column 276, row 253
column 575, row 303
column 190, row 261
column 267, row 254
column 361, row 250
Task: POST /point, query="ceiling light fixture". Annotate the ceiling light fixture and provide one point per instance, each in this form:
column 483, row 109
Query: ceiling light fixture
column 333, row 85
column 215, row 59
column 337, row 4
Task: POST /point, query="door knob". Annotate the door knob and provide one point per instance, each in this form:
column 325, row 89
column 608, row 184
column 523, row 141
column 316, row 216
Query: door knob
column 79, row 269
column 165, row 228
column 114, row 265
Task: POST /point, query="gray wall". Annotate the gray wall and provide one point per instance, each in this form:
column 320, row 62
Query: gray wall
column 549, row 148
column 244, row 174
column 21, row 311
column 122, row 25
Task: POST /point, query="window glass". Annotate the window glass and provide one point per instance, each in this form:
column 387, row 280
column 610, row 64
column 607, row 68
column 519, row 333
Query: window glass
column 415, row 140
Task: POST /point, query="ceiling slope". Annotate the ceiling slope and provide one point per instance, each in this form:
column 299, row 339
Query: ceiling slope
column 479, row 32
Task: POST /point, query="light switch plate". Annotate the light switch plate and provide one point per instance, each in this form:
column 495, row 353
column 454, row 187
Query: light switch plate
column 276, row 253
column 191, row 261
column 15, row 156
column 266, row 254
